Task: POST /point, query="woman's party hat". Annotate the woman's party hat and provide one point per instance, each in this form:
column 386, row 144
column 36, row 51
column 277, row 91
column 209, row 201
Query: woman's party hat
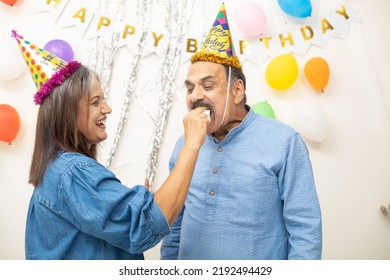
column 46, row 69
column 218, row 45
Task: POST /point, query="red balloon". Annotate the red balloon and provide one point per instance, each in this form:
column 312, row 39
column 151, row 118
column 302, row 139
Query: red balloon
column 9, row 123
column 9, row 2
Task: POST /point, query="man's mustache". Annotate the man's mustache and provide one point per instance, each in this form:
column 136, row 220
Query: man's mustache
column 197, row 104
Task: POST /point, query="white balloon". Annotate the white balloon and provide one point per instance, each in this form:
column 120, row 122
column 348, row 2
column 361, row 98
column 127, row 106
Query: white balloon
column 12, row 62
column 311, row 122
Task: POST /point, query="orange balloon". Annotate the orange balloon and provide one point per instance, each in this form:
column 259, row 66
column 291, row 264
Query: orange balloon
column 9, row 2
column 9, row 123
column 317, row 72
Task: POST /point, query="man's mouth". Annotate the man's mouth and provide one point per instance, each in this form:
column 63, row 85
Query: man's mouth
column 203, row 104
column 208, row 106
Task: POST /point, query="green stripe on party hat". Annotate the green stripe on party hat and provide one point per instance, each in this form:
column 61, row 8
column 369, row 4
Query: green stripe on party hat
column 218, row 46
column 46, row 69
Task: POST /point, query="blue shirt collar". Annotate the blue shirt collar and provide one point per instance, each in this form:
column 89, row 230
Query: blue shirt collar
column 235, row 130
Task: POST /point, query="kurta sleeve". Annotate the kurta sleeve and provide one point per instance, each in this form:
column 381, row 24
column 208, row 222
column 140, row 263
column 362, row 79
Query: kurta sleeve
column 301, row 209
column 94, row 200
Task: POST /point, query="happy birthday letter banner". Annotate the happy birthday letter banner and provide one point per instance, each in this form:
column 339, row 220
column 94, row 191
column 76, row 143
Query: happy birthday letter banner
column 296, row 39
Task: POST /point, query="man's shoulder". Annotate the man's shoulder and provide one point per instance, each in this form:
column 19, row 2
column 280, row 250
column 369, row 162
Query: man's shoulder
column 274, row 126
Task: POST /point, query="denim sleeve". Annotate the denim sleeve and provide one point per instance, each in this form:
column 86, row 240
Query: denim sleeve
column 301, row 210
column 95, row 201
column 170, row 244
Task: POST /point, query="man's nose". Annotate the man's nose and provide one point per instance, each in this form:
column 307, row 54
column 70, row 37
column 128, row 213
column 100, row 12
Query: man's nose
column 197, row 94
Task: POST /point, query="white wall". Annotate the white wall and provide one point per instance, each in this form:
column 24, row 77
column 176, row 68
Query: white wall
column 351, row 165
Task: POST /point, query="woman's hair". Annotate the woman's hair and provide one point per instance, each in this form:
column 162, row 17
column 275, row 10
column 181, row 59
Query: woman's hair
column 57, row 124
column 236, row 74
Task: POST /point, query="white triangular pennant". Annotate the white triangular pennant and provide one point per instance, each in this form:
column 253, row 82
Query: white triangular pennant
column 345, row 15
column 250, row 50
column 157, row 42
column 53, row 9
column 302, row 39
column 79, row 15
column 331, row 21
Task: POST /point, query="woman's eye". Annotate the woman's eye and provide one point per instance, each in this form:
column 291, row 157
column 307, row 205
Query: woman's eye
column 95, row 103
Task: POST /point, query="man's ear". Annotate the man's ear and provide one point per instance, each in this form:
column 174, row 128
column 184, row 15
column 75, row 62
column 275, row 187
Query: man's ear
column 238, row 91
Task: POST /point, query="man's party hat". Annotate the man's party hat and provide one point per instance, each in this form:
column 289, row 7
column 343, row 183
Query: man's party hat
column 47, row 70
column 218, row 45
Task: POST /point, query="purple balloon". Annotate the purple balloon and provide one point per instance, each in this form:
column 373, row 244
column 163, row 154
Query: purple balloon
column 61, row 49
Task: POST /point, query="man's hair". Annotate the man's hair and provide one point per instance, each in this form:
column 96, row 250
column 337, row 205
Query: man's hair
column 236, row 74
column 57, row 123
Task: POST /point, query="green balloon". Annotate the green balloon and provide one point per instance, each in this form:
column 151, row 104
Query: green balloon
column 264, row 108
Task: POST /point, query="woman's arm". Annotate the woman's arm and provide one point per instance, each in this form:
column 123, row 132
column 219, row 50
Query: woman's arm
column 171, row 195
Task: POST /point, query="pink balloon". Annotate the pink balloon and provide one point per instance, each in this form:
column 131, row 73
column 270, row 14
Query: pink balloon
column 250, row 18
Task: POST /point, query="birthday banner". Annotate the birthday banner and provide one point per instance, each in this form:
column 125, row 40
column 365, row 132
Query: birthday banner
column 89, row 21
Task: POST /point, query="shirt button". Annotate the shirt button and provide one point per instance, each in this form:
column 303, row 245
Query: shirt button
column 219, row 149
column 215, row 170
column 212, row 193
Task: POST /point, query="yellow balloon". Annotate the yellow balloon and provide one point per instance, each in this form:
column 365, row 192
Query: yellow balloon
column 282, row 72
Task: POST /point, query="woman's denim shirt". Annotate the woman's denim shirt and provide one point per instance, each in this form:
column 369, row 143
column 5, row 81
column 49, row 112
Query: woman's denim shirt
column 80, row 210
